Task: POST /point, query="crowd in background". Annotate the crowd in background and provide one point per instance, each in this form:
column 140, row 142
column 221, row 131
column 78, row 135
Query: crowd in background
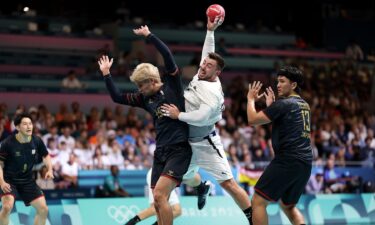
column 338, row 92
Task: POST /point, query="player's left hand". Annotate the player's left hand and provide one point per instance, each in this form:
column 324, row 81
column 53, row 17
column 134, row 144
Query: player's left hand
column 254, row 89
column 170, row 110
column 269, row 95
column 49, row 175
column 105, row 64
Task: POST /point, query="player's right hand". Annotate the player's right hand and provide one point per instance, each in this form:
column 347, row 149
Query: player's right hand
column 5, row 187
column 213, row 25
column 105, row 64
column 254, row 89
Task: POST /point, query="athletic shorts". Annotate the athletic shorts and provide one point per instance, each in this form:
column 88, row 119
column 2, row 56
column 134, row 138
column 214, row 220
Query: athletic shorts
column 209, row 155
column 284, row 179
column 171, row 161
column 173, row 198
column 28, row 191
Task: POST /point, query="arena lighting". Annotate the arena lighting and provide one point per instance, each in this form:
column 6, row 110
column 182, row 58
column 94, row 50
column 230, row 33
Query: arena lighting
column 26, row 9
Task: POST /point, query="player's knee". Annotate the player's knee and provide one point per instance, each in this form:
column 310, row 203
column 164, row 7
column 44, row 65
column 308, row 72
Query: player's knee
column 7, row 208
column 159, row 198
column 229, row 185
column 257, row 201
column 43, row 210
column 177, row 210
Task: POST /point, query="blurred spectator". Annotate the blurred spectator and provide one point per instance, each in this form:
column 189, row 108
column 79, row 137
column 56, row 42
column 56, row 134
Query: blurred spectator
column 332, row 180
column 316, row 183
column 66, row 136
column 354, row 51
column 69, row 172
column 222, row 48
column 52, row 133
column 112, row 186
column 45, row 184
column 71, row 81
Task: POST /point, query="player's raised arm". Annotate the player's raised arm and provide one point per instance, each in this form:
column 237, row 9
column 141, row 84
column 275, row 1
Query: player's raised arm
column 169, row 61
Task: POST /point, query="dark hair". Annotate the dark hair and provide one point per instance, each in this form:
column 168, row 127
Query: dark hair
column 220, row 61
column 292, row 73
column 19, row 118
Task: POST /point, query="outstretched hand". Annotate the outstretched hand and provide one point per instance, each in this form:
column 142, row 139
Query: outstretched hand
column 254, row 89
column 105, row 64
column 213, row 25
column 143, row 30
column 269, row 95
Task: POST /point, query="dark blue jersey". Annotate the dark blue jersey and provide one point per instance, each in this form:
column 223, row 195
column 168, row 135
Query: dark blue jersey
column 168, row 131
column 290, row 128
column 20, row 158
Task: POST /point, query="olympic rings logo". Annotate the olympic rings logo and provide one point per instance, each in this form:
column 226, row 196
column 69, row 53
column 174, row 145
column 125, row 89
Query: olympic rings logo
column 122, row 213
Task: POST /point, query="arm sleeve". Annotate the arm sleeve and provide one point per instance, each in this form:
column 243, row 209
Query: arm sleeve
column 133, row 99
column 42, row 149
column 276, row 109
column 170, row 64
column 196, row 117
column 209, row 45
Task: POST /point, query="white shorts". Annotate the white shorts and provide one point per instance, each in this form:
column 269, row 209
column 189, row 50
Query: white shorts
column 212, row 160
column 173, row 198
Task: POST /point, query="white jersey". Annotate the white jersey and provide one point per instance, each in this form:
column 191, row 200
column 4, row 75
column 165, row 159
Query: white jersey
column 204, row 92
column 201, row 92
column 205, row 97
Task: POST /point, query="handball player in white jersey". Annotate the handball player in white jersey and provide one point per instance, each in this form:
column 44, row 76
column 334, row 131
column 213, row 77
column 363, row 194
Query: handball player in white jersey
column 204, row 103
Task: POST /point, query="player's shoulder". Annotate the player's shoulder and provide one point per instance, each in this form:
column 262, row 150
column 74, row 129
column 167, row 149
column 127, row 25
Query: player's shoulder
column 8, row 140
column 36, row 139
column 210, row 87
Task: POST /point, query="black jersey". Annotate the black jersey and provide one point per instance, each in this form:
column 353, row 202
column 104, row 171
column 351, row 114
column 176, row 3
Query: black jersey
column 290, row 128
column 168, row 131
column 20, row 158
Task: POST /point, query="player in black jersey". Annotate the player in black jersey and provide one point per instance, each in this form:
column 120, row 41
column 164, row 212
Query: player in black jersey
column 287, row 174
column 173, row 153
column 18, row 155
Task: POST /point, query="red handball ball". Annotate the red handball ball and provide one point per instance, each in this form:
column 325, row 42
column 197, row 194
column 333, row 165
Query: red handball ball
column 215, row 10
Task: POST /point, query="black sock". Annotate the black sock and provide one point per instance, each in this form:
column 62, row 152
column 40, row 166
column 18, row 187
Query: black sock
column 249, row 214
column 136, row 218
column 133, row 220
column 156, row 223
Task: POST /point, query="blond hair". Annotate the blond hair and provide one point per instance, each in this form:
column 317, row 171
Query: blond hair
column 145, row 71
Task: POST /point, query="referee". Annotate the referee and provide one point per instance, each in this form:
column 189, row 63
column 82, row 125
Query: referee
column 18, row 155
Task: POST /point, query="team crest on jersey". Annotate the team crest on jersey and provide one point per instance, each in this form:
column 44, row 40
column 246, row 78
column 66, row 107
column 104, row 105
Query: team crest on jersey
column 33, row 151
column 158, row 113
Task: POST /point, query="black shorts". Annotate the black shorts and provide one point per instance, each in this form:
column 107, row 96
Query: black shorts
column 28, row 191
column 171, row 161
column 284, row 179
